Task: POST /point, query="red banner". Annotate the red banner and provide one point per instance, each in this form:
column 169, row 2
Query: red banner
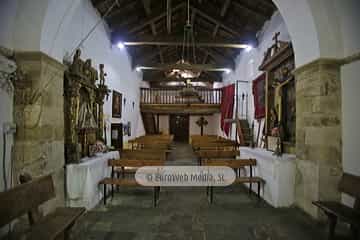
column 259, row 96
column 227, row 107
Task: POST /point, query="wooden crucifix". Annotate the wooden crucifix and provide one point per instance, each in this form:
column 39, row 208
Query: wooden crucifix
column 276, row 39
column 201, row 123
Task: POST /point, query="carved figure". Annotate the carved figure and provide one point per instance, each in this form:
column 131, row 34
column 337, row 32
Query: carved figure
column 102, row 74
column 77, row 64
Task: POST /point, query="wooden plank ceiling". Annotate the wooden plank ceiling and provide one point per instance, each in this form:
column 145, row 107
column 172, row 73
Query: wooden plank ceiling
column 217, row 22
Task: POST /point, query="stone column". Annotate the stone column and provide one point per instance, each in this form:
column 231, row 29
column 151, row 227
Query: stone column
column 318, row 133
column 39, row 115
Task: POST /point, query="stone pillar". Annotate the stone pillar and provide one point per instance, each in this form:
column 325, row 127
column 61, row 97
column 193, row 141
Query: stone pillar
column 318, row 133
column 39, row 115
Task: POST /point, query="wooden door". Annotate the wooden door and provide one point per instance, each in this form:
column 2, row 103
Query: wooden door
column 179, row 127
column 117, row 135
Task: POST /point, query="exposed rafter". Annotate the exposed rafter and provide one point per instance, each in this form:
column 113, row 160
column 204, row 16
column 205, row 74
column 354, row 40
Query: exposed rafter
column 153, row 30
column 153, row 18
column 192, row 67
column 229, row 44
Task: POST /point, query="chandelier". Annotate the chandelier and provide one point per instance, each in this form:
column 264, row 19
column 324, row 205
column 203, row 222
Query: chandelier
column 182, row 68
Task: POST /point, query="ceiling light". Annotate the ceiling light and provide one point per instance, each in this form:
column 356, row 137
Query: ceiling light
column 227, row 70
column 120, row 45
column 248, row 48
column 138, row 69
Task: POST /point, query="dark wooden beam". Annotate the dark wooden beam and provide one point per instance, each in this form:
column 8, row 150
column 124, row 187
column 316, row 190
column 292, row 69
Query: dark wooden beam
column 230, row 63
column 229, row 44
column 194, row 67
column 145, row 58
column 155, row 16
column 257, row 13
column 225, row 8
column 168, row 16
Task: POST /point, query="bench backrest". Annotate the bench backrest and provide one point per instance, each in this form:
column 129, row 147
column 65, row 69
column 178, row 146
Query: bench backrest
column 25, row 197
column 239, row 163
column 350, row 184
column 135, row 163
column 148, row 154
column 217, row 153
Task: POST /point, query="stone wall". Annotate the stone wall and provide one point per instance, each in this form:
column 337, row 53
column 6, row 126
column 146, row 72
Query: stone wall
column 318, row 133
column 39, row 115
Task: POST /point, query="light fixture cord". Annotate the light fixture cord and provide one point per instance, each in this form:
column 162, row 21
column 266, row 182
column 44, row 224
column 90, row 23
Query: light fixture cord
column 116, row 2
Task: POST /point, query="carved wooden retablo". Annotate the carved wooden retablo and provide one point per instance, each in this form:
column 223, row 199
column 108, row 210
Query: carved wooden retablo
column 280, row 101
column 83, row 107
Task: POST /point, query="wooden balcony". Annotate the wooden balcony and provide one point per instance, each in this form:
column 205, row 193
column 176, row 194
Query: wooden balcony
column 171, row 101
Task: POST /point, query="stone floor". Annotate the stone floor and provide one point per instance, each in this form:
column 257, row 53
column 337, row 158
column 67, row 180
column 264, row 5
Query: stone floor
column 184, row 213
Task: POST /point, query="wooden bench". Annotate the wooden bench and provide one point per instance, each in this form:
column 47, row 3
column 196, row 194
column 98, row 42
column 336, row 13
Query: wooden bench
column 335, row 211
column 236, row 164
column 26, row 198
column 141, row 154
column 218, row 145
column 216, row 154
column 124, row 182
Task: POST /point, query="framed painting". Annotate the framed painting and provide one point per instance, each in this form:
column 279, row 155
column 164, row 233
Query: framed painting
column 116, row 104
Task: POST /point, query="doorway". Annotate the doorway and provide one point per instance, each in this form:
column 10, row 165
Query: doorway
column 179, row 127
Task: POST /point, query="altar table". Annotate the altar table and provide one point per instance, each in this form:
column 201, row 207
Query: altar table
column 278, row 172
column 82, row 180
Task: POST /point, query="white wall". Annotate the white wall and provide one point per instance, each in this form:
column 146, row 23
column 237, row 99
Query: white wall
column 350, row 31
column 56, row 28
column 247, row 64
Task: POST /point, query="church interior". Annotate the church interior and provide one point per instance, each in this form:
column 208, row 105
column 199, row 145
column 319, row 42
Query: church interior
column 179, row 119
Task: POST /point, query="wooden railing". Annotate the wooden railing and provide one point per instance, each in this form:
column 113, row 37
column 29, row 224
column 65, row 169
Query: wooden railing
column 173, row 96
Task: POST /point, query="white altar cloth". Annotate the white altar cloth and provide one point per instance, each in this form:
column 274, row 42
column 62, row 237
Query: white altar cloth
column 82, row 180
column 278, row 172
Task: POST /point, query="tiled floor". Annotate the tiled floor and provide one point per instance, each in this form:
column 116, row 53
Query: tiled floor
column 184, row 213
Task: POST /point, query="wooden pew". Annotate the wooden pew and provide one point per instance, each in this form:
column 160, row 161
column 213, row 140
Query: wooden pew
column 141, row 154
column 222, row 145
column 26, row 198
column 216, row 154
column 125, row 182
column 335, row 211
column 236, row 164
column 152, row 142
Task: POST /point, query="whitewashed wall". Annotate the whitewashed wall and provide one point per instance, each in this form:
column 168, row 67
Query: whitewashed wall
column 56, row 28
column 247, row 64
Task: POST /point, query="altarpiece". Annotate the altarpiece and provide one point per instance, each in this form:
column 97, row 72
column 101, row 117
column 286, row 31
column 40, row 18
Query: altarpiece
column 83, row 107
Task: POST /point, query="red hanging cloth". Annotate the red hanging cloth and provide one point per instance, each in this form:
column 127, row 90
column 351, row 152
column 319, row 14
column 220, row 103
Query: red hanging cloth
column 227, row 107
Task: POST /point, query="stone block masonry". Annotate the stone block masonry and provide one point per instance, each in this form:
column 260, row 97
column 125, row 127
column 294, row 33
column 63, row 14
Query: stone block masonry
column 39, row 115
column 318, row 133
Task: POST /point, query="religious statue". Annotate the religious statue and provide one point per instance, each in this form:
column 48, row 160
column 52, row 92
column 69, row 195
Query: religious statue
column 86, row 117
column 87, row 69
column 102, row 74
column 77, row 64
column 274, row 122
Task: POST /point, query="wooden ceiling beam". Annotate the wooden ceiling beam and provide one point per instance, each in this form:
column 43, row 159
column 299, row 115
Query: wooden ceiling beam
column 143, row 59
column 192, row 67
column 216, row 20
column 168, row 16
column 229, row 44
column 147, row 4
column 251, row 10
column 225, row 7
column 153, row 18
column 219, row 58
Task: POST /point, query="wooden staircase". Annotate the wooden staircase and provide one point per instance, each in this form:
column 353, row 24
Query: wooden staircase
column 244, row 132
column 149, row 123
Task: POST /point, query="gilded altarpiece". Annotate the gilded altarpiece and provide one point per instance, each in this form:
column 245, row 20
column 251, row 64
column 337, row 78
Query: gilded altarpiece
column 280, row 101
column 83, row 107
